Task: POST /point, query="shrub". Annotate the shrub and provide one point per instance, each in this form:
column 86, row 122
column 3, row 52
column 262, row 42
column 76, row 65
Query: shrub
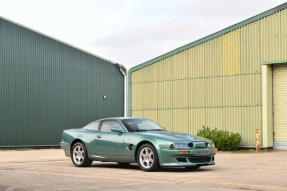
column 223, row 140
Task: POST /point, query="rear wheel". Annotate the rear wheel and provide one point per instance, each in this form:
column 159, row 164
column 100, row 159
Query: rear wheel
column 122, row 163
column 80, row 155
column 147, row 158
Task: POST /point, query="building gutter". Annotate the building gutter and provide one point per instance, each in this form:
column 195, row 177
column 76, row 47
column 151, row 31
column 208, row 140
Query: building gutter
column 125, row 87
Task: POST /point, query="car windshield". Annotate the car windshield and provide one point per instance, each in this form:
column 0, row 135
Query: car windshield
column 134, row 125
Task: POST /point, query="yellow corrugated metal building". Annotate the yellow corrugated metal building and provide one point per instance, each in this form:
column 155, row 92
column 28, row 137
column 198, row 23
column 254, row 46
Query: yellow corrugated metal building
column 232, row 80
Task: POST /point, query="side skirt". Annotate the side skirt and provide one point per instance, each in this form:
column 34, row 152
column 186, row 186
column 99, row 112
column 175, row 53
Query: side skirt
column 107, row 158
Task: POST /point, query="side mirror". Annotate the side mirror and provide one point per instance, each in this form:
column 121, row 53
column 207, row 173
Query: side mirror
column 117, row 129
column 163, row 128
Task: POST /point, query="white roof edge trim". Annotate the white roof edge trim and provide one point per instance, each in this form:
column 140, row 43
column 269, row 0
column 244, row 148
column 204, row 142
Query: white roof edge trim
column 59, row 40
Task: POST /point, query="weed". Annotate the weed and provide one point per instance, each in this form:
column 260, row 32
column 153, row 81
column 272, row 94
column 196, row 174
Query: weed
column 22, row 149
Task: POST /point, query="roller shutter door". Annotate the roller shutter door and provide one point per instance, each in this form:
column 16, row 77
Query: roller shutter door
column 280, row 106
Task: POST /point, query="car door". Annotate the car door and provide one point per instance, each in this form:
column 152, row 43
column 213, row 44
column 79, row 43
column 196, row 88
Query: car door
column 89, row 137
column 109, row 142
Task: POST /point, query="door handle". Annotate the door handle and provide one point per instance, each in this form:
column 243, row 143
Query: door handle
column 98, row 136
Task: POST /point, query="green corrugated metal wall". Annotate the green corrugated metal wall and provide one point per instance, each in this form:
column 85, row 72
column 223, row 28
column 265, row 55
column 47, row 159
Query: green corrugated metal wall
column 214, row 82
column 47, row 86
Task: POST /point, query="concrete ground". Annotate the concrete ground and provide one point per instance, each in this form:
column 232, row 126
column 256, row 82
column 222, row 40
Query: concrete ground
column 51, row 170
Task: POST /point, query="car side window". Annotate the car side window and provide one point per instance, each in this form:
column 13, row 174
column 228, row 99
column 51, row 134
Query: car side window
column 93, row 126
column 107, row 126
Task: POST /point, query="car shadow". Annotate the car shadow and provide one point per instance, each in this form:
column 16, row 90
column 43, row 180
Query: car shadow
column 185, row 170
column 135, row 166
column 115, row 165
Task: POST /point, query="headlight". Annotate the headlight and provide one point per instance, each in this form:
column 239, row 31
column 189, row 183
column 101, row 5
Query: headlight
column 210, row 145
column 179, row 146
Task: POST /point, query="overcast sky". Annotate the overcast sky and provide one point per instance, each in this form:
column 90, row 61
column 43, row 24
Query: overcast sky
column 131, row 32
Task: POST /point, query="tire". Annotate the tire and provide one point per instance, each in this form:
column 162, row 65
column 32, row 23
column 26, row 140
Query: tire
column 122, row 163
column 80, row 155
column 147, row 158
column 192, row 167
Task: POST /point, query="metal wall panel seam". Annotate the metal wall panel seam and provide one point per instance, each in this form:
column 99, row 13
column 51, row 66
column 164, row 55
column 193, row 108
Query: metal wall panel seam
column 188, row 89
column 206, row 77
column 203, row 107
column 261, row 82
column 156, row 66
column 203, row 61
column 241, row 54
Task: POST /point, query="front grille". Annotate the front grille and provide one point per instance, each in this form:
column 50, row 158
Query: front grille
column 181, row 159
column 199, row 159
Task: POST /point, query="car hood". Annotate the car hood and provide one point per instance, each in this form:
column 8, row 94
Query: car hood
column 174, row 137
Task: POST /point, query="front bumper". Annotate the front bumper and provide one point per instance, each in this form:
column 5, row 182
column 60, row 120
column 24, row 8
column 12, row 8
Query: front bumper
column 66, row 147
column 196, row 157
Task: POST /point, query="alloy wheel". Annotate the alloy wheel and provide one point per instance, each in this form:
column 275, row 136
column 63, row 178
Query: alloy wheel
column 146, row 157
column 78, row 155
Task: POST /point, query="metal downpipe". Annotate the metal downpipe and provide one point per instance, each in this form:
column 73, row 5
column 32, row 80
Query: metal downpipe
column 125, row 88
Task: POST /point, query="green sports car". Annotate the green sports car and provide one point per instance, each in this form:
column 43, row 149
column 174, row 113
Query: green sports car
column 134, row 140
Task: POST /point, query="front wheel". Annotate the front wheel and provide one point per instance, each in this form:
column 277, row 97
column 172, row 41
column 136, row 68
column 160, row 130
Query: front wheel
column 147, row 158
column 80, row 155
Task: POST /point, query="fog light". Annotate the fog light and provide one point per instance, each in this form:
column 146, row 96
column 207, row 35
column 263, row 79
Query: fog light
column 183, row 152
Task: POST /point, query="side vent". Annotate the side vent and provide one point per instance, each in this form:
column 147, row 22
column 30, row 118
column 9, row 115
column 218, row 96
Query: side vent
column 130, row 147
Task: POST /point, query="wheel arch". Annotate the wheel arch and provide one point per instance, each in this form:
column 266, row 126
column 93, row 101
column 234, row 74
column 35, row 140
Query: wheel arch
column 76, row 140
column 87, row 161
column 139, row 145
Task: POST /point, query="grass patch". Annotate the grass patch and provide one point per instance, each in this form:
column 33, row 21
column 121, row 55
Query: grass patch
column 22, row 149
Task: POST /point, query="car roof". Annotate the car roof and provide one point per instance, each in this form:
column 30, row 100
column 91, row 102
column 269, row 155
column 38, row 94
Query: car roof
column 120, row 118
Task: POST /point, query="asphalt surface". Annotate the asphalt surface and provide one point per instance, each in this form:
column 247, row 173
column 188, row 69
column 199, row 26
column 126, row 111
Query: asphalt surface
column 51, row 170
